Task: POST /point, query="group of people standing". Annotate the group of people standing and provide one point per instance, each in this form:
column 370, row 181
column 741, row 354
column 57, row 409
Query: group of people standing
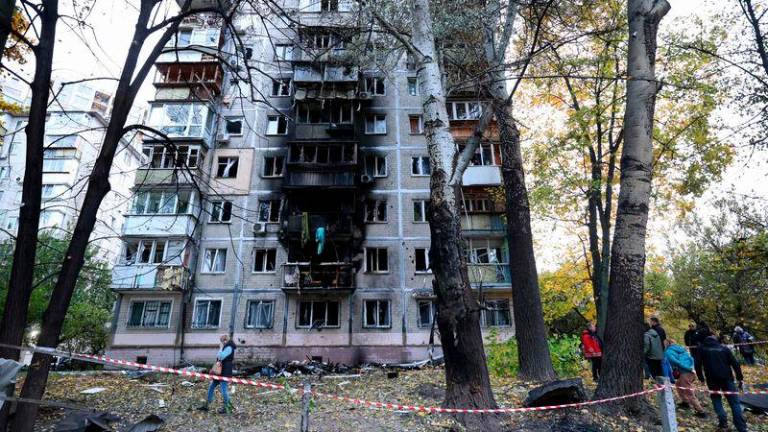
column 704, row 356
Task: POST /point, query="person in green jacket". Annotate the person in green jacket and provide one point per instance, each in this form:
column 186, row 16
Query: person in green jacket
column 654, row 351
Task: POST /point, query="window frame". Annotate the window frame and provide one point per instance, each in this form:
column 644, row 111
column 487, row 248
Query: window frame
column 221, row 211
column 284, row 52
column 421, row 166
column 432, row 311
column 204, row 269
column 428, row 269
column 270, row 218
column 377, row 119
column 265, row 261
column 232, row 119
column 377, row 202
column 195, row 325
column 424, row 204
column 378, row 270
column 378, row 304
column 275, row 165
column 420, row 119
column 141, row 325
column 452, row 111
column 227, row 170
column 373, row 171
column 248, row 314
column 277, row 120
column 281, row 87
column 312, row 309
column 371, row 86
column 488, row 308
column 415, row 82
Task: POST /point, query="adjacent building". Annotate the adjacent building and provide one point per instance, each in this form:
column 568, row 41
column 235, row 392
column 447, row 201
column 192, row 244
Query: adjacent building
column 291, row 212
column 74, row 132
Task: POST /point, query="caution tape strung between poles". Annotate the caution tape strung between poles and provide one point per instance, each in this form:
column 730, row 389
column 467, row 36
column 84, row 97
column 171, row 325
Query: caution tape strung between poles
column 736, row 344
column 363, row 402
column 722, row 392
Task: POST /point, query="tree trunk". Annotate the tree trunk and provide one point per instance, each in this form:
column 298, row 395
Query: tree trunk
column 7, row 7
column 530, row 331
column 623, row 358
column 458, row 313
column 98, row 187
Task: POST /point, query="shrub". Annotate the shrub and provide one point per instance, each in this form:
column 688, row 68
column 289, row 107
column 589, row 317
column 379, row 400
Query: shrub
column 564, row 350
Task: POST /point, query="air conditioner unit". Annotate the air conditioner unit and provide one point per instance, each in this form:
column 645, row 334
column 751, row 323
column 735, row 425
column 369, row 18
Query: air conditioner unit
column 364, row 95
column 259, row 228
column 222, row 138
column 366, row 179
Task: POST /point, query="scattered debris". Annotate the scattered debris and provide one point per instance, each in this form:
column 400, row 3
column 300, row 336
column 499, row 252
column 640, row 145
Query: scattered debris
column 86, row 421
column 187, row 383
column 161, row 403
column 557, row 393
column 348, row 376
column 343, row 383
column 392, row 374
column 151, row 423
column 756, row 403
column 93, row 390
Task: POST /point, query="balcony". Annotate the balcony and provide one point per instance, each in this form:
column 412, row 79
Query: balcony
column 482, row 225
column 489, row 274
column 320, row 179
column 166, row 225
column 306, row 73
column 338, row 226
column 482, row 175
column 206, row 75
column 168, row 176
column 149, row 277
column 327, row 276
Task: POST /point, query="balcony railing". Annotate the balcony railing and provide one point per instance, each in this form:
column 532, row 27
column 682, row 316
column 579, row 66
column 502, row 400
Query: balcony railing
column 149, row 277
column 318, row 179
column 181, row 225
column 482, row 225
column 489, row 273
column 318, row 277
column 482, row 175
column 174, row 75
column 337, row 225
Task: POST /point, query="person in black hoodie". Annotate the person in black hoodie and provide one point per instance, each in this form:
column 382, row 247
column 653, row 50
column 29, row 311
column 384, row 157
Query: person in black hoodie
column 719, row 366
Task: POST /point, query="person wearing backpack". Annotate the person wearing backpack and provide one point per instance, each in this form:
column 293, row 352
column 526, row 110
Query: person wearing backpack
column 742, row 340
column 592, row 348
column 223, row 367
column 654, row 351
column 682, row 369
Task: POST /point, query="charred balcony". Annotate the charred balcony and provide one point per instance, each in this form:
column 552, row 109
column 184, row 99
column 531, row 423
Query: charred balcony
column 318, row 277
column 321, row 164
column 206, row 76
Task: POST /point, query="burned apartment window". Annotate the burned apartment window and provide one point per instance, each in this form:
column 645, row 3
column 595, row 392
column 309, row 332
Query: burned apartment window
column 329, row 5
column 150, row 314
column 426, row 313
column 420, row 210
column 318, row 314
column 281, row 87
column 221, row 212
column 329, row 112
column 374, row 86
column 375, row 124
column 421, row 258
column 420, row 166
column 264, row 260
column 413, row 86
column 207, row 314
column 215, row 260
column 376, row 314
column 234, row 125
column 376, row 211
column 376, row 166
column 226, row 167
column 376, row 260
column 269, row 210
column 416, row 123
column 273, row 166
column 277, row 125
column 260, row 314
column 496, row 313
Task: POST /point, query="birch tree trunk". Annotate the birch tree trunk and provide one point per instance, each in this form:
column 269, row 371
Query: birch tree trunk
column 623, row 353
column 458, row 313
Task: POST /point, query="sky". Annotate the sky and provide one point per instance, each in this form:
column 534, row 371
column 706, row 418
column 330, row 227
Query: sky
column 100, row 51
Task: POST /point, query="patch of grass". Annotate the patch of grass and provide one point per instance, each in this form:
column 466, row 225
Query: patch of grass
column 564, row 350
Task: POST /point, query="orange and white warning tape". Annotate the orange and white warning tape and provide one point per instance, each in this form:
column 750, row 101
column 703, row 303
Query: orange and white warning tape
column 736, row 344
column 362, row 402
column 722, row 392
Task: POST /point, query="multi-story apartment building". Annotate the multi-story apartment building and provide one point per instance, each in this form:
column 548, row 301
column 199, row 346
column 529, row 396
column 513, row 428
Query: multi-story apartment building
column 292, row 213
column 74, row 132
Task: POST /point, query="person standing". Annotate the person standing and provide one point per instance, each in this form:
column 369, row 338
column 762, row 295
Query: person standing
column 719, row 365
column 592, row 348
column 702, row 331
column 742, row 340
column 682, row 368
column 654, row 351
column 656, row 325
column 224, row 360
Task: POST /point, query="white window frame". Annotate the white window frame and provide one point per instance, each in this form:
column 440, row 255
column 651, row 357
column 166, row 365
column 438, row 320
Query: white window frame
column 327, row 5
column 281, row 87
column 284, row 52
column 377, row 161
column 269, row 218
column 232, row 119
column 420, row 119
column 428, row 270
column 196, row 325
column 169, row 158
column 432, row 309
column 217, row 208
column 375, row 211
column 248, row 314
column 488, row 309
column 228, row 166
column 372, row 86
column 312, row 314
column 420, row 165
column 165, row 196
column 274, row 121
column 205, row 269
column 377, row 251
column 377, row 303
column 264, row 261
column 452, row 108
column 374, row 120
column 144, row 307
column 415, row 82
column 152, row 252
column 423, row 203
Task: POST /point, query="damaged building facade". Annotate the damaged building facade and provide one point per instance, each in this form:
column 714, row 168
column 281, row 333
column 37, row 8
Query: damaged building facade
column 291, row 211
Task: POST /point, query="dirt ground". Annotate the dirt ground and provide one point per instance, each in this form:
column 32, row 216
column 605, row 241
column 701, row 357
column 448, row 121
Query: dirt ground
column 258, row 409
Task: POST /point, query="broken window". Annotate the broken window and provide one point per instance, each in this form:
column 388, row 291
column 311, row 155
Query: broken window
column 221, row 212
column 215, row 260
column 377, row 314
column 376, row 210
column 207, row 314
column 421, row 257
column 269, row 210
column 376, row 260
column 318, row 314
column 264, row 260
column 420, row 166
column 260, row 314
column 227, row 167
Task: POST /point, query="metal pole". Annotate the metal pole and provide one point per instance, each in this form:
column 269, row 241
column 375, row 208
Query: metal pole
column 305, row 398
column 666, row 401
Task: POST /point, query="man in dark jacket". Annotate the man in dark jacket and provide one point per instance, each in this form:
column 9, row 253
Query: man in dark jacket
column 696, row 337
column 226, row 357
column 656, row 325
column 719, row 365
